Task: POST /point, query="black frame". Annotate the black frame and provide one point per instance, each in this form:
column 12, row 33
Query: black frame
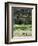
column 7, row 33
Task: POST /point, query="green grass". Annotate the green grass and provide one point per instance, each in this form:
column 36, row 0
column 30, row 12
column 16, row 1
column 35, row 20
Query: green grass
column 22, row 27
column 22, row 30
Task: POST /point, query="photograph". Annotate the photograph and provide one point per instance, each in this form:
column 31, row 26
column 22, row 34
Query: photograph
column 21, row 22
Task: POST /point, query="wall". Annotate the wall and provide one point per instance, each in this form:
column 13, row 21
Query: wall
column 25, row 1
column 2, row 23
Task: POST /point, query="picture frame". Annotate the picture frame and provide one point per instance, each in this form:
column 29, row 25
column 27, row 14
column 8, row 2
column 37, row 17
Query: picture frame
column 20, row 22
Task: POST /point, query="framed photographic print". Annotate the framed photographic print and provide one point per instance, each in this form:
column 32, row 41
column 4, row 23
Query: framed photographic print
column 20, row 22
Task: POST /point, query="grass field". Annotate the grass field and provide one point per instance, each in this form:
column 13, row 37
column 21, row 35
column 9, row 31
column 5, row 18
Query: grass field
column 22, row 30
